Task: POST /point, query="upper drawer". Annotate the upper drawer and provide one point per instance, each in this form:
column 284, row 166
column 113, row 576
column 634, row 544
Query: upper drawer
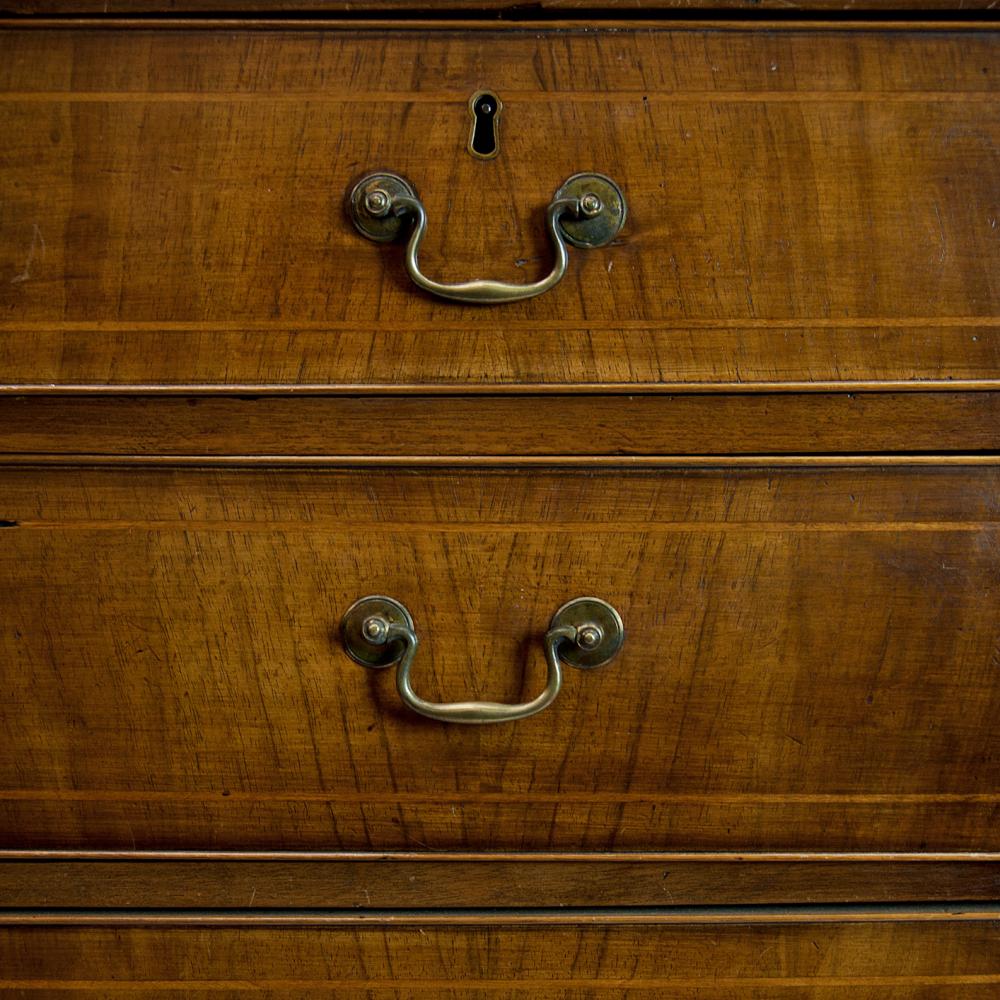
column 810, row 658
column 805, row 204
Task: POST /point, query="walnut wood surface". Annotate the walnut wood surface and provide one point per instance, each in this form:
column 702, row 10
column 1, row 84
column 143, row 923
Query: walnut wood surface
column 922, row 912
column 811, row 659
column 805, row 204
column 585, row 426
column 620, row 8
column 873, row 961
column 139, row 882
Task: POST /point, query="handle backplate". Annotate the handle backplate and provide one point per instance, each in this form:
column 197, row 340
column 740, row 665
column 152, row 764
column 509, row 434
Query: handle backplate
column 599, row 646
column 366, row 644
column 590, row 229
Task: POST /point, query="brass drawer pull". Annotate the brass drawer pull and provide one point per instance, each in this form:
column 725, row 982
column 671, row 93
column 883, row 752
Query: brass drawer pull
column 587, row 211
column 378, row 632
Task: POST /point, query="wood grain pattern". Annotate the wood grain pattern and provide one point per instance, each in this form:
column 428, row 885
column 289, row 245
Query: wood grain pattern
column 148, row 882
column 812, row 653
column 811, row 661
column 621, row 8
column 588, row 426
column 635, row 356
column 414, row 463
column 964, row 912
column 806, row 205
column 873, row 961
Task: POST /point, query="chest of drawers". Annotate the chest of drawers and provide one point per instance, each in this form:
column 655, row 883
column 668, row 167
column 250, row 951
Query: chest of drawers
column 754, row 427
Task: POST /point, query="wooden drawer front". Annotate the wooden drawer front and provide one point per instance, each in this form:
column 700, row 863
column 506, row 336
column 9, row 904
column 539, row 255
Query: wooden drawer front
column 811, row 658
column 806, row 204
column 818, row 959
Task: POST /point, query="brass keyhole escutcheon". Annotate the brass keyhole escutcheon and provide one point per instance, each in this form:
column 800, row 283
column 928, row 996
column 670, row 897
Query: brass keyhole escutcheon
column 484, row 139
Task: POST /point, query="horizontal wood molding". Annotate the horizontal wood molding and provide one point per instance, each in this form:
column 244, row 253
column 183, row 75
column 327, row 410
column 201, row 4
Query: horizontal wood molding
column 488, row 389
column 750, row 915
column 501, row 426
column 925, row 15
column 510, row 857
column 249, row 882
column 74, row 460
column 942, row 959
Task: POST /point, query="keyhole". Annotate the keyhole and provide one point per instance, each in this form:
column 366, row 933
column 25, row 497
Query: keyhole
column 485, row 109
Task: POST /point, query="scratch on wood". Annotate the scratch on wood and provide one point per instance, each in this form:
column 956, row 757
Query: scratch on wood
column 37, row 247
column 944, row 239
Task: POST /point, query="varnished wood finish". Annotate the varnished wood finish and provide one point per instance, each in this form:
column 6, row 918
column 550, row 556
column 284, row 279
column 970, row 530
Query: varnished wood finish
column 806, row 204
column 636, row 355
column 514, row 8
column 873, row 961
column 966, row 912
column 810, row 661
column 586, row 426
column 131, row 881
column 414, row 463
column 784, row 338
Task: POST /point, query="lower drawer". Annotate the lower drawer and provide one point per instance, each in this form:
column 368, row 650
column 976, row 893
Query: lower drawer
column 880, row 956
column 811, row 659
